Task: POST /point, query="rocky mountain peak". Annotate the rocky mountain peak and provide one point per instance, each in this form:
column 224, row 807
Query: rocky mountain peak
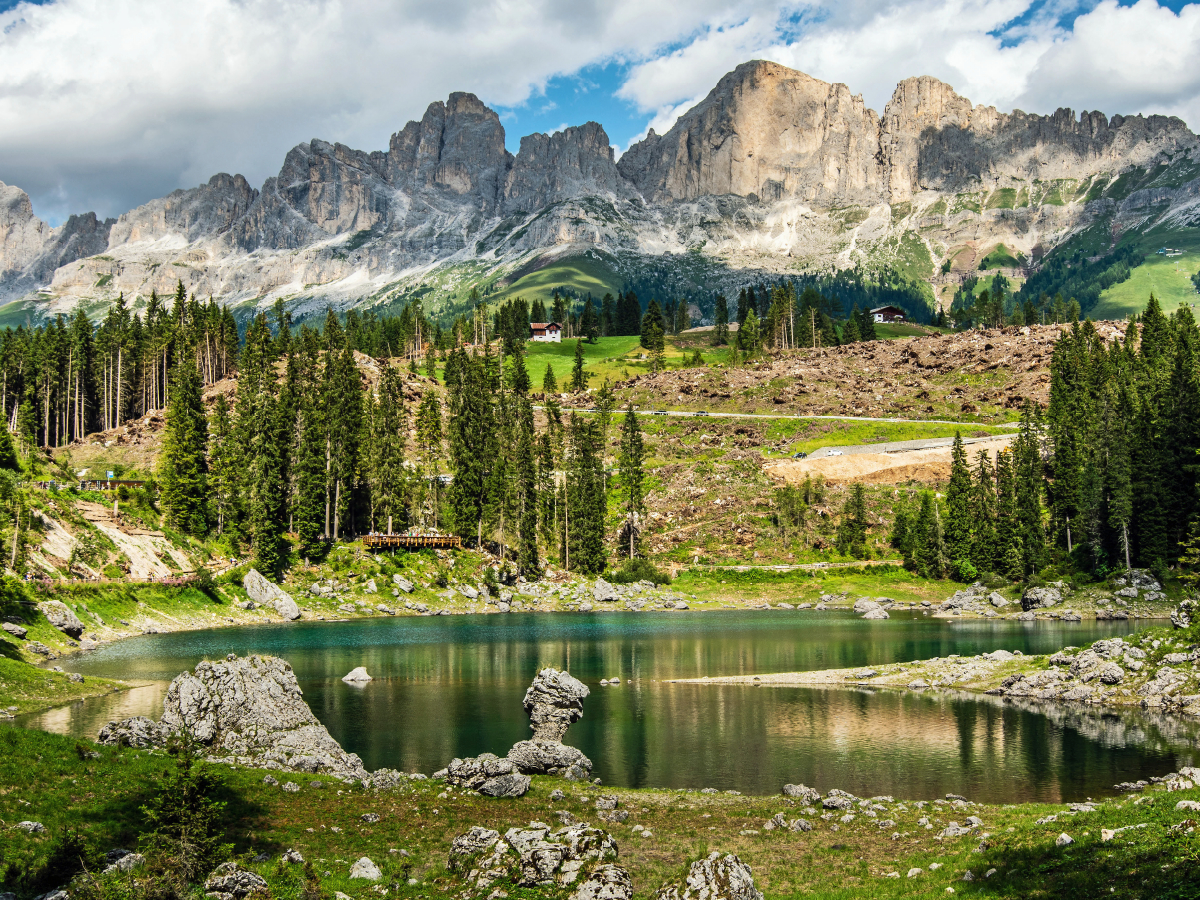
column 568, row 164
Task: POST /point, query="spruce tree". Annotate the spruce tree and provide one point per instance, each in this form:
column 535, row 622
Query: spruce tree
column 748, row 338
column 654, row 321
column 630, row 462
column 579, row 378
column 587, row 504
column 852, row 531
column 527, row 493
column 387, row 434
column 983, row 503
column 549, row 382
column 225, row 469
column 720, row 322
column 959, row 516
column 429, row 445
column 183, row 466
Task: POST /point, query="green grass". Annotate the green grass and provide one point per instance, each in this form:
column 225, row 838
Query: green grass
column 53, row 780
column 581, row 274
column 613, row 358
column 811, row 434
column 1003, row 198
column 1169, row 279
column 27, row 688
column 1001, row 257
column 16, row 314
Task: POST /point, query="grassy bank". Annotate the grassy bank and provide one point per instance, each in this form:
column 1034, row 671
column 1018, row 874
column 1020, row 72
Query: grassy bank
column 55, row 781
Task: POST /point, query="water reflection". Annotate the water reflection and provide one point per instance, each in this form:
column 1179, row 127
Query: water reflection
column 452, row 686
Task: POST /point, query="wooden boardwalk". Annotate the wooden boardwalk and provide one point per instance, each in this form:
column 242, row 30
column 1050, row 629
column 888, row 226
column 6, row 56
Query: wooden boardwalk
column 412, row 542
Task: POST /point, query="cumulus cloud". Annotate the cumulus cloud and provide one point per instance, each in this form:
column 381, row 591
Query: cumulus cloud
column 1007, row 53
column 107, row 103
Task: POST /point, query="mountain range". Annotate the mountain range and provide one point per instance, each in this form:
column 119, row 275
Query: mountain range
column 773, row 172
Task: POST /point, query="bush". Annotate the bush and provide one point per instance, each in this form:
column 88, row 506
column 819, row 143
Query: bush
column 639, row 570
column 69, row 855
column 964, row 570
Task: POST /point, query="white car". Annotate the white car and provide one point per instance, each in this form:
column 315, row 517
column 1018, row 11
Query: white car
column 835, row 453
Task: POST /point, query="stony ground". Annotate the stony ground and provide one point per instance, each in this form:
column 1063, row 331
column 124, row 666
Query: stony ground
column 982, row 376
column 809, row 844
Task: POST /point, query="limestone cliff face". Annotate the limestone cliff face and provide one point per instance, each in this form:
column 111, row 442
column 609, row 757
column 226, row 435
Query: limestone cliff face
column 572, row 163
column 200, row 212
column 765, row 130
column 22, row 234
column 772, row 168
column 933, row 139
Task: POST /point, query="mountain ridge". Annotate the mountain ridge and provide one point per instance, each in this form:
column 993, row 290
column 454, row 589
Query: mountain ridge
column 773, row 171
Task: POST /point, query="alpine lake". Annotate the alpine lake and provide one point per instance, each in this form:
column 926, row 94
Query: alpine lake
column 450, row 686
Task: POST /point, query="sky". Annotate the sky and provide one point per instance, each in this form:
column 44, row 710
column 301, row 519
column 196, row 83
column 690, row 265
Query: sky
column 106, row 104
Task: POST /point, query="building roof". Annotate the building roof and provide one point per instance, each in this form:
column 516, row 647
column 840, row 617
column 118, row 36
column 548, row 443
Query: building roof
column 880, row 309
column 544, row 325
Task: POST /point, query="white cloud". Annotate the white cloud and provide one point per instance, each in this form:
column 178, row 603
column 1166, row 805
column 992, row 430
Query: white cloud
column 107, row 103
column 111, row 102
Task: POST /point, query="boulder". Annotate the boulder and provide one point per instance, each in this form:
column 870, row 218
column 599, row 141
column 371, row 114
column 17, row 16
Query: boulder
column 122, row 861
column 229, row 881
column 876, row 613
column 139, row 732
column 469, row 592
column 403, row 584
column 997, row 600
column 535, row 856
column 865, row 604
column 607, row 882
column 603, row 592
column 540, row 757
column 15, row 630
column 714, row 878
column 61, row 617
column 364, row 868
column 1040, row 598
column 357, row 676
column 370, row 587
column 1182, row 617
column 800, row 792
column 268, row 594
column 488, row 774
column 30, row 827
column 554, row 701
column 250, row 710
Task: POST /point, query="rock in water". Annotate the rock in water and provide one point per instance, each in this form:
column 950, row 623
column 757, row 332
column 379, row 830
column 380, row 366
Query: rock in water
column 554, row 701
column 248, row 710
column 229, row 881
column 714, row 878
column 61, row 617
column 269, row 594
column 357, row 676
column 876, row 613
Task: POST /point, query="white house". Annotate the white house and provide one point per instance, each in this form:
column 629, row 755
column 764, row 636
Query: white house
column 883, row 314
column 546, row 331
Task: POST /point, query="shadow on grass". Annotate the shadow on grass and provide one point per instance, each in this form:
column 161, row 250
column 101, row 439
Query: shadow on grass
column 1159, row 862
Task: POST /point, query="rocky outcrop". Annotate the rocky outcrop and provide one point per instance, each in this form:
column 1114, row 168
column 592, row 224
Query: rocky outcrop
column 269, row 594
column 1040, row 598
column 229, row 881
column 714, row 878
column 488, row 774
column 551, row 168
column 61, row 617
column 768, row 131
column 138, row 731
column 536, row 856
column 550, row 758
column 247, row 710
column 204, row 211
column 554, row 701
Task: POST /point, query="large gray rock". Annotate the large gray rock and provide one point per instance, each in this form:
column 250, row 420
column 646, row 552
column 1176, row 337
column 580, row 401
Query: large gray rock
column 714, row 878
column 403, row 584
column 249, row 710
column 269, row 594
column 534, row 856
column 606, row 882
column 1040, row 598
column 547, row 757
column 1182, row 617
column 514, row 784
column 229, row 881
column 554, row 701
column 489, row 775
column 603, row 592
column 137, row 731
column 15, row 630
column 876, row 613
column 801, row 792
column 61, row 617
column 365, row 869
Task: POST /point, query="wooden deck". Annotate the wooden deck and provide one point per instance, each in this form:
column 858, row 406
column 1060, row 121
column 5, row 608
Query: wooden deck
column 412, row 542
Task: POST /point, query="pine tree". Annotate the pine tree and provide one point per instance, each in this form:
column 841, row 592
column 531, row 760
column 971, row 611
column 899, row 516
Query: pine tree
column 653, row 321
column 720, row 322
column 473, row 450
column 549, row 382
column 386, row 461
column 586, row 502
column 429, row 445
column 8, row 452
column 630, row 463
column 579, row 378
column 959, row 516
column 225, row 468
column 527, row 494
column 518, row 375
column 655, row 341
column 852, row 532
column 850, row 332
column 183, row 466
column 748, row 338
column 983, row 503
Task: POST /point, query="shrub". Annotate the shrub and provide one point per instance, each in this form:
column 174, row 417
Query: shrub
column 964, row 571
column 639, row 570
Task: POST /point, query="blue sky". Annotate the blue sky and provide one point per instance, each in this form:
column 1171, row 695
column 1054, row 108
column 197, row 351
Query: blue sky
column 106, row 105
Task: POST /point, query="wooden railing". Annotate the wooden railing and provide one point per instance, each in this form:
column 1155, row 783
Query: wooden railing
column 412, row 541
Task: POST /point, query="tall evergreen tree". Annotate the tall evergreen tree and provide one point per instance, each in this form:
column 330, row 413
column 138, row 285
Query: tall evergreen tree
column 183, row 465
column 959, row 515
column 720, row 322
column 579, row 378
column 632, row 477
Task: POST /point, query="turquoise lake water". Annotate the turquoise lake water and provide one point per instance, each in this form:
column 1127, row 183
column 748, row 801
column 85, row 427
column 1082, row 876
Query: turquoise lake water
column 451, row 686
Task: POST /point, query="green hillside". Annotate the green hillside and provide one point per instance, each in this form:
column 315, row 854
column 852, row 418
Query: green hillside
column 1168, row 278
column 578, row 274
